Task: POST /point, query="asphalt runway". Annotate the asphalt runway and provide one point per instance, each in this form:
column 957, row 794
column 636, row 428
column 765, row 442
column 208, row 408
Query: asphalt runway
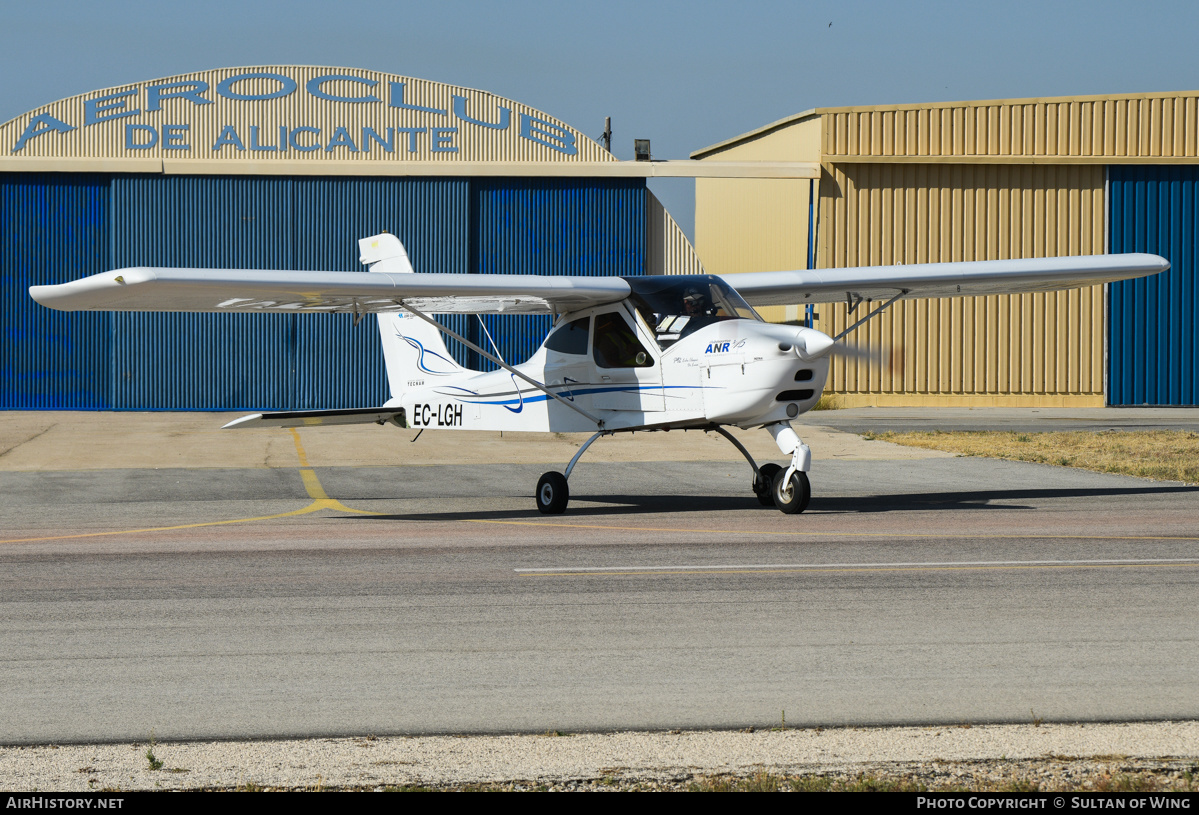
column 234, row 603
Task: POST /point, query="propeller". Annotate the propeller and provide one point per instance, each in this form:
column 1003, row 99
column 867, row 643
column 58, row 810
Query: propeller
column 889, row 359
column 810, row 344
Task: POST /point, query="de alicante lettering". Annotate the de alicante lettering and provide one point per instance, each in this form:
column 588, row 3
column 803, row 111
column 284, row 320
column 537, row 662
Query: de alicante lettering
column 447, row 127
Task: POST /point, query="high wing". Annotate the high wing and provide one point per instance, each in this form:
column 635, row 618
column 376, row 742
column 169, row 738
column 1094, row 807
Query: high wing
column 940, row 279
column 231, row 290
column 249, row 290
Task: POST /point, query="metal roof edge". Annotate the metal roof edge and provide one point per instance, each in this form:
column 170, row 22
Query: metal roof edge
column 1031, row 100
column 1006, row 158
column 512, row 169
column 493, row 169
column 74, row 164
column 515, row 169
column 698, row 155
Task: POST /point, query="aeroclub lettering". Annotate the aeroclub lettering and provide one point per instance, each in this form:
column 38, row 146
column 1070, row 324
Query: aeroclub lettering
column 443, row 134
column 308, row 139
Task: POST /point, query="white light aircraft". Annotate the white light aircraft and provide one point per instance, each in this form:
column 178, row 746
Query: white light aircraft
column 624, row 354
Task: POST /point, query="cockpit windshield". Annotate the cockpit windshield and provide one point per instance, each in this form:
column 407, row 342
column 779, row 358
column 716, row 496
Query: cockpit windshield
column 677, row 305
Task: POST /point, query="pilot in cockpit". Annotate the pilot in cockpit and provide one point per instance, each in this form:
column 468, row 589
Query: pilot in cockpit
column 688, row 314
column 697, row 308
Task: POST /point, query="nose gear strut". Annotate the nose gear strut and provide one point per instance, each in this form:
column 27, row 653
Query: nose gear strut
column 790, row 489
column 787, row 489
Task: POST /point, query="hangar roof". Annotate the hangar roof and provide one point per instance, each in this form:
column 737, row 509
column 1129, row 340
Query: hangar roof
column 1151, row 128
column 313, row 120
column 295, row 113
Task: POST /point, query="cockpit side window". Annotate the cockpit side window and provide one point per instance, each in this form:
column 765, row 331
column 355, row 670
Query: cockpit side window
column 570, row 338
column 616, row 344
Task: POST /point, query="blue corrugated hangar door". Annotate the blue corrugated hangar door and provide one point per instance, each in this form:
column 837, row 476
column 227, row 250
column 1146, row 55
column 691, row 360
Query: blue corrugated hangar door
column 340, row 364
column 552, row 227
column 1153, row 347
column 267, row 361
column 53, row 228
column 202, row 361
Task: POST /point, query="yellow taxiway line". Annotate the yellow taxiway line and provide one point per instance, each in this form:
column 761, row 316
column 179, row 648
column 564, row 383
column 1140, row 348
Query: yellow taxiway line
column 312, row 485
column 320, row 500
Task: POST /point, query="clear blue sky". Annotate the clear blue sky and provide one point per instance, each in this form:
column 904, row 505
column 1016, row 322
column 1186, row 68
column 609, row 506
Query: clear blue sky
column 684, row 75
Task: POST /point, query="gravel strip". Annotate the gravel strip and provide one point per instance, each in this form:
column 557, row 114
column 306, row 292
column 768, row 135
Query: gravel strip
column 1049, row 755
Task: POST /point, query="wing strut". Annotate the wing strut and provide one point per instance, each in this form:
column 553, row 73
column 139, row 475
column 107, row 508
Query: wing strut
column 878, row 310
column 598, row 421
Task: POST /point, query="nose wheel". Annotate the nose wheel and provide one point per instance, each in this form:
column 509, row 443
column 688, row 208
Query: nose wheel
column 791, row 495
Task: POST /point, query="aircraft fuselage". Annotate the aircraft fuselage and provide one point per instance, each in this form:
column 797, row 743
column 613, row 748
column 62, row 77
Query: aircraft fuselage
column 734, row 371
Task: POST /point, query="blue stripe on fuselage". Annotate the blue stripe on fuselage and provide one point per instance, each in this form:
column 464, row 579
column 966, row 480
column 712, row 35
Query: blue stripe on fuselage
column 541, row 397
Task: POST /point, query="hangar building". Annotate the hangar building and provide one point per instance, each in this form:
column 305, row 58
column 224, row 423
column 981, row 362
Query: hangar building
column 285, row 167
column 979, row 181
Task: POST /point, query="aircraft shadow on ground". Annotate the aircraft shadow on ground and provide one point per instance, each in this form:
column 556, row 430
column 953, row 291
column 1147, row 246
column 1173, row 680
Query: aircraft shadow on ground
column 582, row 506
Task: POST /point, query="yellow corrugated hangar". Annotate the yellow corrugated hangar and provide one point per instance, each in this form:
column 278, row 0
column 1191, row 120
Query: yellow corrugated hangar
column 982, row 180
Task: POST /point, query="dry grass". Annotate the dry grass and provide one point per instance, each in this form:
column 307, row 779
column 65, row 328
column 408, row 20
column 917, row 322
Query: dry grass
column 767, row 782
column 1165, row 455
column 827, row 402
column 1045, row 774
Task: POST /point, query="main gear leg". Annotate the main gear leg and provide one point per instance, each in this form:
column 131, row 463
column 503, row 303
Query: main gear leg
column 553, row 493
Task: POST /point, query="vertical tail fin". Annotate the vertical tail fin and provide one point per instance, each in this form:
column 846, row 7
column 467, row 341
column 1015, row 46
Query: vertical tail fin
column 415, row 354
column 413, row 350
column 384, row 253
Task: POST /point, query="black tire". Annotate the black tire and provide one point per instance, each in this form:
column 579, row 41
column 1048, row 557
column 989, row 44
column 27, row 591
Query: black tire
column 552, row 494
column 764, row 484
column 791, row 498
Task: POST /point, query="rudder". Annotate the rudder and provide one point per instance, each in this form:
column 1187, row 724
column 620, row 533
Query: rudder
column 413, row 350
column 414, row 353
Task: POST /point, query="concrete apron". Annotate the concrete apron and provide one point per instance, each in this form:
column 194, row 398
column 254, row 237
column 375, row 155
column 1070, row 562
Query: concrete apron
column 83, row 440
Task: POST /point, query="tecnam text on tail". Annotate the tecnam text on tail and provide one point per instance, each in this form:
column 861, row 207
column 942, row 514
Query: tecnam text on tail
column 624, row 353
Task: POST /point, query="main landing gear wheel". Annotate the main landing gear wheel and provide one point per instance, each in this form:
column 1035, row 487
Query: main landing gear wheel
column 552, row 494
column 764, row 483
column 792, row 497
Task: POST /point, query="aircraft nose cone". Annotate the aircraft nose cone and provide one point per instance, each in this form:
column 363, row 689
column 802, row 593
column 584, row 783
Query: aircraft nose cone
column 812, row 344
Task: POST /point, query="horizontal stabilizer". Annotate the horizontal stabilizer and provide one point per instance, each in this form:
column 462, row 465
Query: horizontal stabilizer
column 319, row 418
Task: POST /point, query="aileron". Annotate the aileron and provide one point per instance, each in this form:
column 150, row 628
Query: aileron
column 941, row 279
